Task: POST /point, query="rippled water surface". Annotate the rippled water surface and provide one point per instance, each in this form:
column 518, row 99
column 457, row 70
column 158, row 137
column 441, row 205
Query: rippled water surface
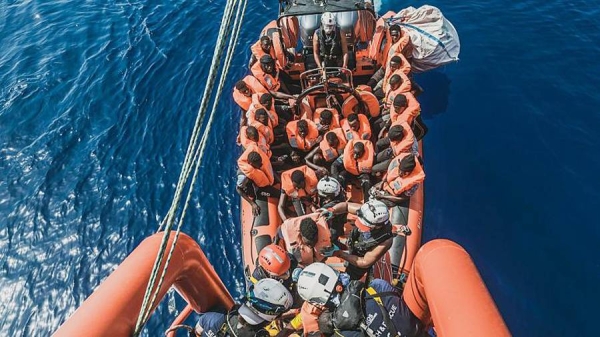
column 98, row 99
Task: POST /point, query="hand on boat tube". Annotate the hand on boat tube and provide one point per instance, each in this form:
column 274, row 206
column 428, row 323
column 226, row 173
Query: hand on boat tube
column 255, row 209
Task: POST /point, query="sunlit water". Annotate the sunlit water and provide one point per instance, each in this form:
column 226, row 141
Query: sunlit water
column 98, row 99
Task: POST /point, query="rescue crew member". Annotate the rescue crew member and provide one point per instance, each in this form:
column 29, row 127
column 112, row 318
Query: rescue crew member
column 355, row 163
column 329, row 192
column 327, row 152
column 305, row 237
column 384, row 311
column 330, row 48
column 356, row 126
column 400, row 139
column 302, row 134
column 264, row 46
column 265, row 301
column 369, row 241
column 300, row 186
column 255, row 177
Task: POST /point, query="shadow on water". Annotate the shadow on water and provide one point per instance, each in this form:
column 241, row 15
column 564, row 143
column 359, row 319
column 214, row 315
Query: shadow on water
column 434, row 100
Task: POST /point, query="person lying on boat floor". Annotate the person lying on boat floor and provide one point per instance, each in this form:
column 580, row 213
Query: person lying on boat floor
column 338, row 306
column 265, row 301
column 369, row 240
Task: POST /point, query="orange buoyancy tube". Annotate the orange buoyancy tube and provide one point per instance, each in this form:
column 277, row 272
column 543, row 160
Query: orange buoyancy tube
column 260, row 177
column 265, row 130
column 394, row 184
column 335, row 122
column 410, row 113
column 302, row 143
column 268, row 81
column 370, row 100
column 408, row 143
column 361, row 165
column 309, row 176
column 305, row 255
column 258, row 52
column 262, row 141
column 271, row 112
column 329, row 153
column 364, row 130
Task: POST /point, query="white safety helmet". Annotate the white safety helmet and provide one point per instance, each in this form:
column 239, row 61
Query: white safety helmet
column 328, row 22
column 316, row 283
column 266, row 300
column 371, row 214
column 328, row 187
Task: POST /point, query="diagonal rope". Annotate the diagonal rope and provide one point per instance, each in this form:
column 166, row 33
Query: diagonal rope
column 196, row 148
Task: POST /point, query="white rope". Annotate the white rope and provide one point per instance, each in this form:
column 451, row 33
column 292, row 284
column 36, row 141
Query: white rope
column 196, row 148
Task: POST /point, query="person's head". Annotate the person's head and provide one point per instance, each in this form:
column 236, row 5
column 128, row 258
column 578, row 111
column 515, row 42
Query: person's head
column 309, row 232
column 266, row 43
column 261, row 116
column 328, row 22
column 318, row 283
column 395, row 62
column 395, row 81
column 326, row 117
column 371, row 215
column 395, row 33
column 242, row 87
column 266, row 100
column 295, row 156
column 298, row 180
column 396, row 133
column 332, row 139
column 353, row 121
column 252, row 133
column 267, row 64
column 326, row 326
column 407, row 165
column 400, row 101
column 265, row 301
column 255, row 160
column 328, row 187
column 359, row 150
column 275, row 261
column 302, row 128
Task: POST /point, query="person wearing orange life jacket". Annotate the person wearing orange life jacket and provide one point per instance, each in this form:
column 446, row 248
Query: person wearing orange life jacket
column 302, row 134
column 326, row 120
column 265, row 101
column 394, row 68
column 400, row 139
column 300, row 186
column 356, row 126
column 255, row 177
column 249, row 135
column 306, row 237
column 270, row 78
column 355, row 163
column 401, row 43
column 264, row 46
column 329, row 150
column 260, row 120
column 404, row 109
column 242, row 95
column 397, row 85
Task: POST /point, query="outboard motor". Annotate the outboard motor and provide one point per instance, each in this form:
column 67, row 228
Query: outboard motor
column 308, row 26
column 347, row 22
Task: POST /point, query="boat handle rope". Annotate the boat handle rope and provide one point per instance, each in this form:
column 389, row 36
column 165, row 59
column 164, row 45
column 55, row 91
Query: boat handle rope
column 195, row 151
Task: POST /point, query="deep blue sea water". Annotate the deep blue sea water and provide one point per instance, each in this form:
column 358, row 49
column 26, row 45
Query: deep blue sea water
column 98, row 99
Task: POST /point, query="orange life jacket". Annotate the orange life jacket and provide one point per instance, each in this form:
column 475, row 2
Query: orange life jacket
column 311, row 182
column 302, row 143
column 260, row 177
column 371, row 102
column 271, row 112
column 290, row 229
column 254, row 85
column 389, row 73
column 258, row 52
column 410, row 112
column 408, row 143
column 242, row 100
column 262, row 142
column 268, row 81
column 391, row 94
column 310, row 318
column 364, row 129
column 396, row 185
column 363, row 164
column 400, row 47
column 330, row 153
column 265, row 130
column 335, row 121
